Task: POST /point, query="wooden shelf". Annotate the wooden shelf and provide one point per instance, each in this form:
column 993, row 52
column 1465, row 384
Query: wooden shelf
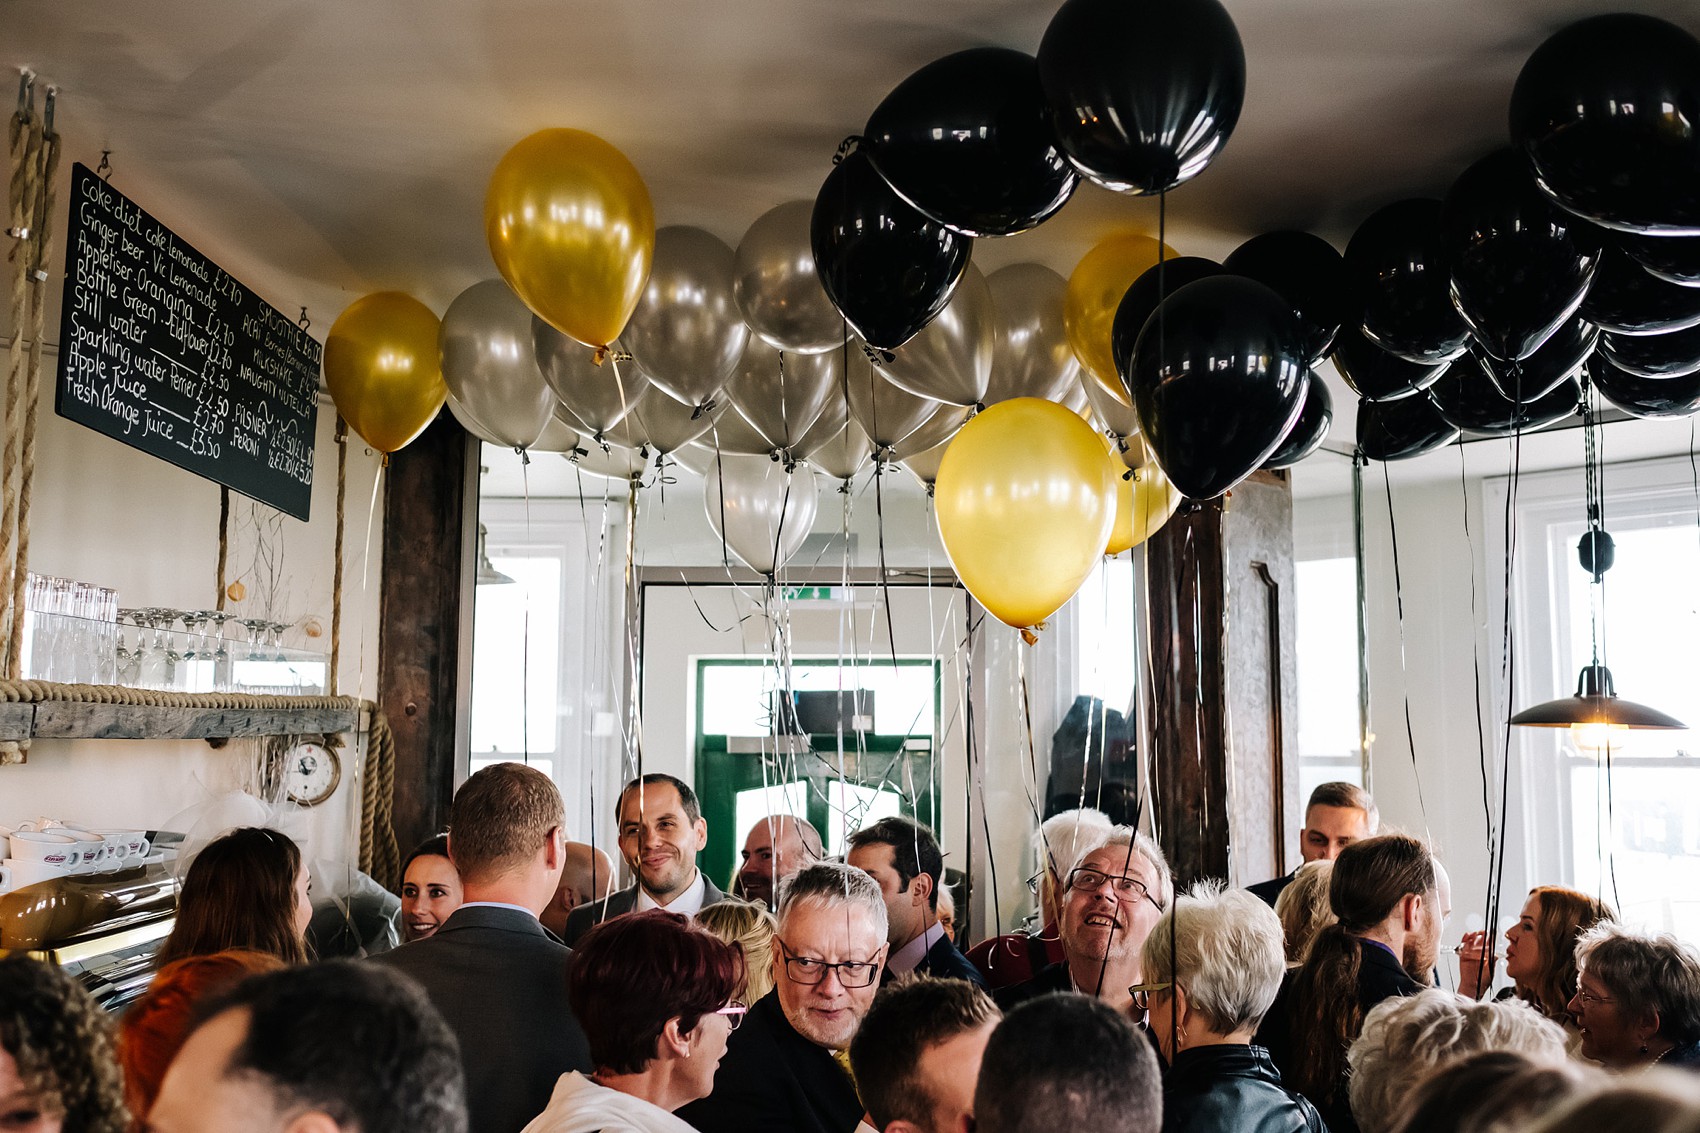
column 74, row 720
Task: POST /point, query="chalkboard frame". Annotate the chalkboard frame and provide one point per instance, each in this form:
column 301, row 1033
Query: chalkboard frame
column 257, row 366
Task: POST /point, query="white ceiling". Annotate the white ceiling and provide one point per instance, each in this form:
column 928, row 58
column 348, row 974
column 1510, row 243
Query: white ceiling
column 323, row 149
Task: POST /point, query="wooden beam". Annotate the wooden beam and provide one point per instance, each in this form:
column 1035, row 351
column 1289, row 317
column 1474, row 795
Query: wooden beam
column 419, row 621
column 62, row 719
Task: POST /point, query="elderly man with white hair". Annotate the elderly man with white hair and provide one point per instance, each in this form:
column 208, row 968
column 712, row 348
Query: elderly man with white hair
column 1212, row 965
column 782, row 1069
column 1019, row 956
column 1111, row 897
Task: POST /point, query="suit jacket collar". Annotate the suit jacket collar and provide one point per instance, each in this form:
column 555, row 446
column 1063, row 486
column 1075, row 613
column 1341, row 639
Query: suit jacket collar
column 623, row 901
column 491, row 917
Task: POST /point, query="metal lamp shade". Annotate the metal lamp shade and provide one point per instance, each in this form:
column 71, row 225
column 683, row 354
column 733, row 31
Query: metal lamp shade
column 1595, row 702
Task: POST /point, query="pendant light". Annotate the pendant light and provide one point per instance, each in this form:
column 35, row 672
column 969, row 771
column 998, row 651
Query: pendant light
column 488, row 575
column 1596, row 711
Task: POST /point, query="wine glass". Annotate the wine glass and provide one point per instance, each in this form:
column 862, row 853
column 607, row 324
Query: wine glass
column 221, row 651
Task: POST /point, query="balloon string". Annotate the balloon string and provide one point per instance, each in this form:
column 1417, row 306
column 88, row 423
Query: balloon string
column 885, row 575
column 1476, row 668
column 1404, row 674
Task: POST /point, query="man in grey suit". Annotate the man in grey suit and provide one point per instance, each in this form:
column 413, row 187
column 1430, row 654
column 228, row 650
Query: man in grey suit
column 661, row 832
column 498, row 978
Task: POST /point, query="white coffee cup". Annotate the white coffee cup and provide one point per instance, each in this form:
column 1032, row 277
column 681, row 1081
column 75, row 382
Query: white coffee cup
column 57, row 850
column 131, row 846
column 95, row 853
column 15, row 873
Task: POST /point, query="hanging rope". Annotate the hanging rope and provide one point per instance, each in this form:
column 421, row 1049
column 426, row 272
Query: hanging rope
column 26, row 141
column 336, row 568
column 223, row 543
column 380, row 856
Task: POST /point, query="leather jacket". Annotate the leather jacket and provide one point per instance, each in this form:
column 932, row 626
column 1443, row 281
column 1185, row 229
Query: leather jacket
column 1232, row 1089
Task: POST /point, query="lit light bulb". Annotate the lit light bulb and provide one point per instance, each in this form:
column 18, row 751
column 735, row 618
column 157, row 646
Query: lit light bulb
column 1595, row 737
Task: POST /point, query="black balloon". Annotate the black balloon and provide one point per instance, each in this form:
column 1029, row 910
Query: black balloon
column 1608, row 111
column 1675, row 259
column 1142, row 298
column 1673, row 355
column 1399, row 430
column 1220, row 387
column 1142, row 95
column 1309, row 274
column 1520, row 264
column 967, row 140
column 1397, row 267
column 888, row 269
column 1645, row 397
column 1377, row 375
column 1310, row 430
column 1470, row 400
column 1625, row 299
column 1559, row 359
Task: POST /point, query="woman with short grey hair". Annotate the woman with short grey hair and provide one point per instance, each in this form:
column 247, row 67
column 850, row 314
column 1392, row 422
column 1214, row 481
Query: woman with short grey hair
column 1212, row 966
column 1408, row 1036
column 1637, row 998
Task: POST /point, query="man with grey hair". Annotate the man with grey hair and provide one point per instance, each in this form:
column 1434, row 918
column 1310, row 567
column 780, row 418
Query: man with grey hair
column 1212, row 966
column 1019, row 956
column 784, row 1068
column 1337, row 815
column 1111, row 897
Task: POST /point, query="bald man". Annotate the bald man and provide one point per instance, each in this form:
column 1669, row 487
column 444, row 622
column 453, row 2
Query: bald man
column 776, row 848
column 588, row 875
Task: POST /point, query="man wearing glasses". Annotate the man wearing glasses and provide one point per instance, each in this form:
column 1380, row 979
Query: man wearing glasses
column 1112, row 897
column 784, row 1068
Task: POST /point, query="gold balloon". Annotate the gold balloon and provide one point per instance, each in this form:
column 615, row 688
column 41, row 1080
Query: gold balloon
column 1025, row 499
column 1144, row 500
column 1095, row 290
column 382, row 369
column 572, row 230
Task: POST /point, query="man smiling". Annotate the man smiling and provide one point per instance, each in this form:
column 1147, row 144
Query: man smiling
column 1112, row 897
column 661, row 832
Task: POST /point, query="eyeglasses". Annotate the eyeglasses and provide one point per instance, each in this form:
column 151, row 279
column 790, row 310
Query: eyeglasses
column 810, row 971
column 1033, row 882
column 734, row 1013
column 1142, row 993
column 1588, row 1000
column 1084, row 879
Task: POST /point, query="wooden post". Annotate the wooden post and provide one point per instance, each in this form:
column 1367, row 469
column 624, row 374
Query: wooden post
column 1222, row 688
column 419, row 622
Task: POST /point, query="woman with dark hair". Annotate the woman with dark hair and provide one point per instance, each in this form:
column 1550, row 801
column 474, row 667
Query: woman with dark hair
column 247, row 889
column 654, row 995
column 1637, row 999
column 57, row 1072
column 1540, row 952
column 430, row 889
column 1492, row 1091
column 153, row 1029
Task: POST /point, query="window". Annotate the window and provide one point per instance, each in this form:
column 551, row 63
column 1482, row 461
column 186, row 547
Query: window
column 516, row 660
column 1326, row 644
column 1105, row 630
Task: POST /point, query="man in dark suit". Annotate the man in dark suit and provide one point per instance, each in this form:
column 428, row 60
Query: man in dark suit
column 1391, row 898
column 498, row 978
column 1337, row 815
column 903, row 858
column 782, row 1072
column 661, row 832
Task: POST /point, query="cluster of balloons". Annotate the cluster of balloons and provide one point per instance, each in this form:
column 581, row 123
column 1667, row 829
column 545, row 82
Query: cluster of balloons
column 1571, row 258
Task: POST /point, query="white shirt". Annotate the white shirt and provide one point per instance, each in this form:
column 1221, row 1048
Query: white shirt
column 909, row 957
column 688, row 903
column 579, row 1105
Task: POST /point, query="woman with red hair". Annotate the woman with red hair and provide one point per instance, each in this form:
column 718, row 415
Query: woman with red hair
column 654, row 994
column 153, row 1030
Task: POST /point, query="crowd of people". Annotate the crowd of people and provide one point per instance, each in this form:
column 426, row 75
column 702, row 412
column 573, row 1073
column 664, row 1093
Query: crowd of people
column 827, row 996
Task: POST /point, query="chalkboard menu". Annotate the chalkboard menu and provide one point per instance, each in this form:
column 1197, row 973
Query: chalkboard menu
column 160, row 349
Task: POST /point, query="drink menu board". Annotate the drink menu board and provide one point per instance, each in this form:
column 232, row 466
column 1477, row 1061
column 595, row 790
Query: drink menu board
column 161, row 349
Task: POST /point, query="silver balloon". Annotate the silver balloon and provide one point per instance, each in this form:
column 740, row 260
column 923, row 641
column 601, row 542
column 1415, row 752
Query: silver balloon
column 781, row 395
column 731, row 433
column 950, row 359
column 616, row 462
column 687, row 333
column 595, row 396
column 924, row 465
column 945, row 423
column 472, row 424
column 490, row 366
column 777, row 287
column 665, row 425
column 1113, row 417
column 558, row 435
column 761, row 511
column 887, row 414
column 837, row 445
column 696, row 456
column 1033, row 357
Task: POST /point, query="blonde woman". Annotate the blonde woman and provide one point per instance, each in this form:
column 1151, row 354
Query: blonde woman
column 1303, row 908
column 752, row 929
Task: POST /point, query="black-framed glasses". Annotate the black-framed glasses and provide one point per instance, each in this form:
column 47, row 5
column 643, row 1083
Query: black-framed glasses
column 734, row 1013
column 1033, row 882
column 810, row 971
column 1142, row 993
column 1085, row 879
